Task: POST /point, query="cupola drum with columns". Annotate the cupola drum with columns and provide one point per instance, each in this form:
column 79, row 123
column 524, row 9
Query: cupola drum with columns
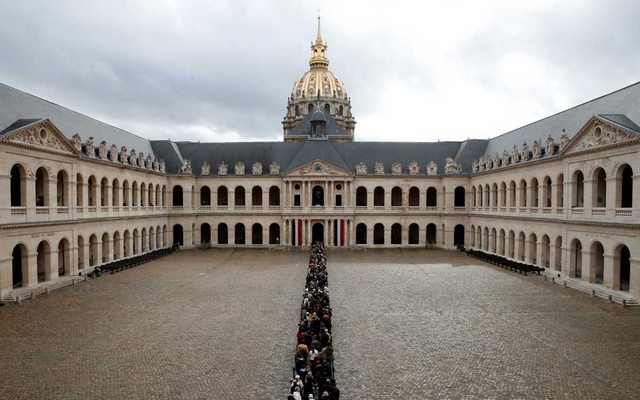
column 318, row 87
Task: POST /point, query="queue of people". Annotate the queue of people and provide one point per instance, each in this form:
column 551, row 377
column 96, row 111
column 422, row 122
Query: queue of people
column 313, row 371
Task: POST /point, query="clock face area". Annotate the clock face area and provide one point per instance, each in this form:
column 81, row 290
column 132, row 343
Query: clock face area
column 317, row 168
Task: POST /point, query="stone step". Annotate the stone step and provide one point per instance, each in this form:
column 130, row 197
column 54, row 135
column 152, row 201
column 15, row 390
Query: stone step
column 619, row 298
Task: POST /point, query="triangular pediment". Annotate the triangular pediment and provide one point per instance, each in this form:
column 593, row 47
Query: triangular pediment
column 318, row 168
column 42, row 135
column 602, row 132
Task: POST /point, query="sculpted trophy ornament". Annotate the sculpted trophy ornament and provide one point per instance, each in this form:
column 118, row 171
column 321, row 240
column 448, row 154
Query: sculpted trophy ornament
column 432, row 168
column 480, row 164
column 452, row 167
column 156, row 164
column 414, row 168
column 186, row 166
column 162, row 166
column 205, row 169
column 256, row 169
column 274, row 168
column 488, row 163
column 148, row 162
column 132, row 157
column 379, row 168
column 396, row 168
column 141, row 159
column 474, row 166
column 496, row 160
column 223, row 168
column 361, row 169
column 239, row 168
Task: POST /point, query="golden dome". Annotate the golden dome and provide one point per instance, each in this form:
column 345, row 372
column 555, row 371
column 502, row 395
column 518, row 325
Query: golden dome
column 318, row 81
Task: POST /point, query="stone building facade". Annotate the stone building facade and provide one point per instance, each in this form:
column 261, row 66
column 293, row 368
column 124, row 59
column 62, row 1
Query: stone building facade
column 560, row 192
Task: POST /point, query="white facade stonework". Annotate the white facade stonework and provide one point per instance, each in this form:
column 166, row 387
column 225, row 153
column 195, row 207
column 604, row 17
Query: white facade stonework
column 70, row 201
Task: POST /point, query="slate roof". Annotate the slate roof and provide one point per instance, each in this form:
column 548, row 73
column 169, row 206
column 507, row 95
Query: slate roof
column 621, row 120
column 21, row 123
column 291, row 155
column 16, row 105
column 332, row 127
column 624, row 101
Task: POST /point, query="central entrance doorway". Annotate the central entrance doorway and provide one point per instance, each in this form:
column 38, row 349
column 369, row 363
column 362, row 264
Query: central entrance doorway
column 317, row 232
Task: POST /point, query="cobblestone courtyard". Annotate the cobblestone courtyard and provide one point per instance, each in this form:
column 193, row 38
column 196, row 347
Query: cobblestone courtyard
column 220, row 324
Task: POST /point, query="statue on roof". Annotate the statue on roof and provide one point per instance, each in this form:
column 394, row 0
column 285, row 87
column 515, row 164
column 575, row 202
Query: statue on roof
column 90, row 147
column 223, row 168
column 505, row 158
column 379, row 168
column 550, row 148
column 361, row 169
column 414, row 168
column 525, row 151
column 256, row 169
column 564, row 139
column 274, row 168
column 77, row 142
column 537, row 150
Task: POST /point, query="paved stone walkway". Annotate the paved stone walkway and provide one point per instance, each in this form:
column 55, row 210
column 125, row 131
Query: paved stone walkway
column 202, row 324
column 220, row 324
column 406, row 329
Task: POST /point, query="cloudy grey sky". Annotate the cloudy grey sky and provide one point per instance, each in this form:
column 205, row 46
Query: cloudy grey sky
column 221, row 70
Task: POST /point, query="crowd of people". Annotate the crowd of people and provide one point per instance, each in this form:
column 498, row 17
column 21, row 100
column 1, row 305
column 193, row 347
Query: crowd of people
column 313, row 371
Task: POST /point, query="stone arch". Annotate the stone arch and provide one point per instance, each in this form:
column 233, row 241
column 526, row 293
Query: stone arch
column 205, row 196
column 19, row 265
column 317, row 196
column 414, row 197
column 178, row 235
column 361, row 196
column 256, row 234
column 622, row 268
column 240, row 233
column 223, row 233
column 396, row 234
column 205, row 233
column 18, row 185
column 459, row 196
column 511, row 244
column 378, row 197
column 577, row 182
column 239, row 197
column 458, row 235
column 274, row 198
column 223, row 196
column 256, row 196
column 432, row 233
column 432, row 197
column 62, row 189
column 599, row 191
column 44, row 261
column 42, row 187
column 414, row 234
column 178, row 196
column 274, row 233
column 624, row 186
column 575, row 258
column 545, row 260
column 596, row 268
column 378, row 234
column 361, row 233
